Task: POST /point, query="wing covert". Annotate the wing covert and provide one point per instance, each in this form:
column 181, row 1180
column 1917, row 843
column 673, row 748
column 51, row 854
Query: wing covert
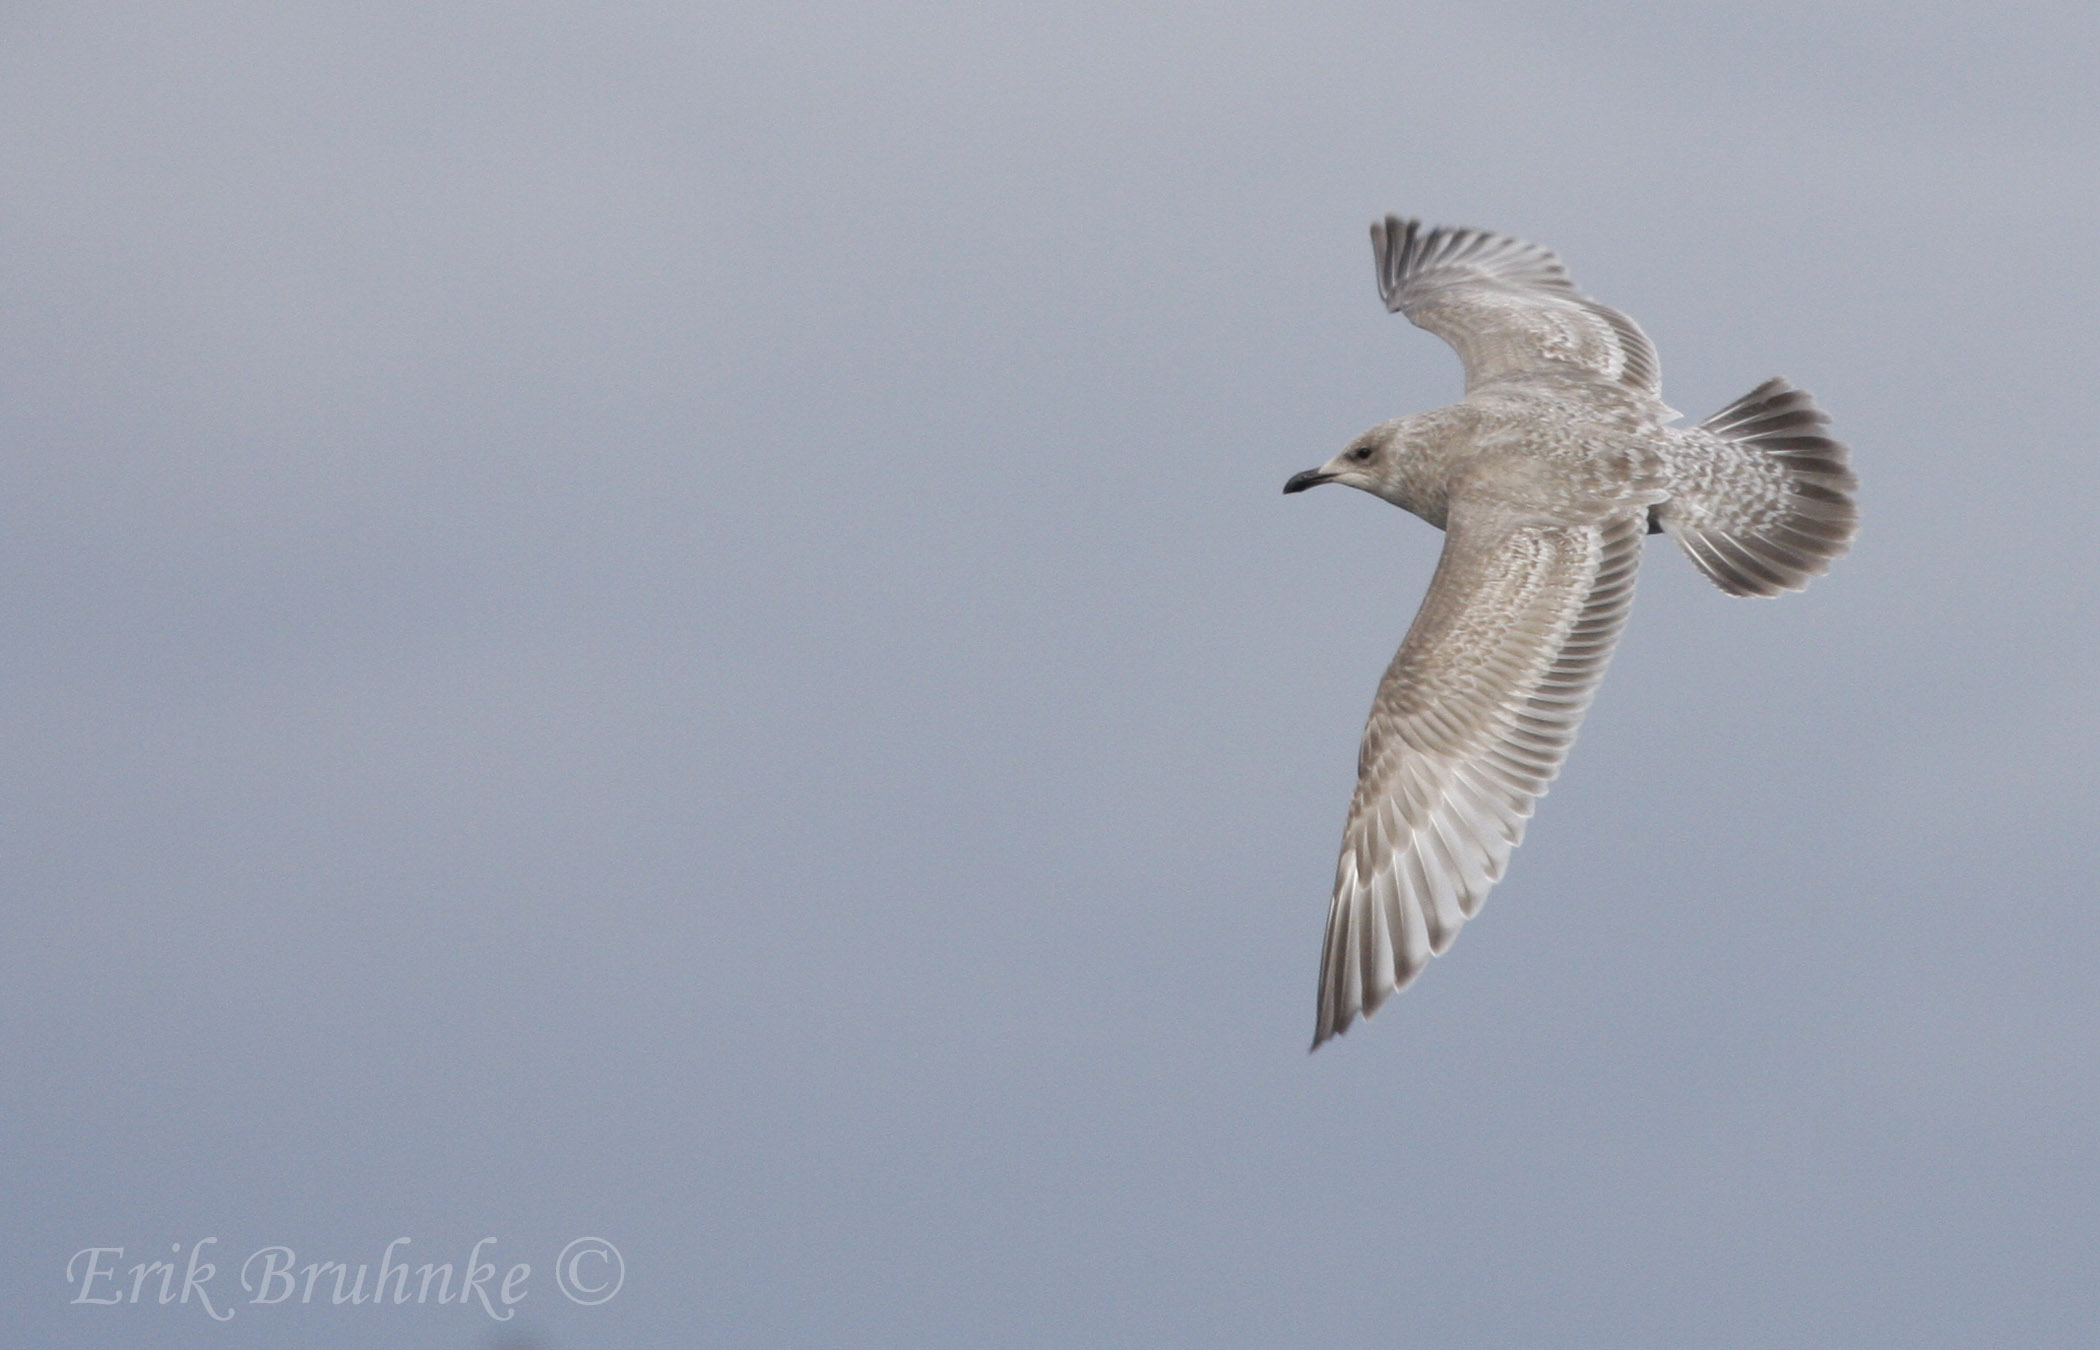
column 1506, row 306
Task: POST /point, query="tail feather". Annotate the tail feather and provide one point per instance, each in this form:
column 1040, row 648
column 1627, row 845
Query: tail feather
column 1765, row 500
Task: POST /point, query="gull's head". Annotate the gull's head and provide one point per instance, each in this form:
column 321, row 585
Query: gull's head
column 1371, row 462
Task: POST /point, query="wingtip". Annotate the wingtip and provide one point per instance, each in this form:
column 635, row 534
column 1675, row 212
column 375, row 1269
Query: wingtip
column 1392, row 242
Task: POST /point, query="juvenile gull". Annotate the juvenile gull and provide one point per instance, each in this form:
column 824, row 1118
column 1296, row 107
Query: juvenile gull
column 1544, row 479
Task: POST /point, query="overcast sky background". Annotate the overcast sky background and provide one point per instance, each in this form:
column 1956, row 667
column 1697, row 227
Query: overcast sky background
column 676, row 623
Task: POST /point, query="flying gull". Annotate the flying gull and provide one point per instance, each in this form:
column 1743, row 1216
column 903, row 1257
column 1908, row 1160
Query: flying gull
column 1544, row 479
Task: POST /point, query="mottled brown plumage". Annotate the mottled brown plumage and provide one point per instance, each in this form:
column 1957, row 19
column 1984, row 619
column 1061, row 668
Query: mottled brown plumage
column 1545, row 479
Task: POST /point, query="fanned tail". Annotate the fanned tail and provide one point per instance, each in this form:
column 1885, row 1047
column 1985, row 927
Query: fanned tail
column 1766, row 504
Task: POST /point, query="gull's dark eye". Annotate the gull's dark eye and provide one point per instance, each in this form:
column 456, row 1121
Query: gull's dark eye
column 1360, row 453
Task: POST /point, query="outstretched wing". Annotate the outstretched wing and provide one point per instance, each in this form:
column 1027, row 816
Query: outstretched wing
column 1507, row 306
column 1471, row 721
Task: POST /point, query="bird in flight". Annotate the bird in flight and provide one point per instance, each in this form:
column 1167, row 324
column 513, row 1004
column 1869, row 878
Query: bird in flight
column 1545, row 478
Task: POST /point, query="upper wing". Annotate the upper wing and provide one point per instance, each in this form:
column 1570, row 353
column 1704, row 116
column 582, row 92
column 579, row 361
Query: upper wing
column 1507, row 306
column 1471, row 721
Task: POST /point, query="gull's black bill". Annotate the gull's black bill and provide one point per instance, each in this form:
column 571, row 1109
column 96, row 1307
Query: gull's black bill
column 1310, row 478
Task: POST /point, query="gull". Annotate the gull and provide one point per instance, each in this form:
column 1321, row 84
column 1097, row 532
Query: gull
column 1545, row 479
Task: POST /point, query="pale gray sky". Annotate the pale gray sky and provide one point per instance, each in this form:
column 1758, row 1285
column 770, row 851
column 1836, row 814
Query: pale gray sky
column 644, row 622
